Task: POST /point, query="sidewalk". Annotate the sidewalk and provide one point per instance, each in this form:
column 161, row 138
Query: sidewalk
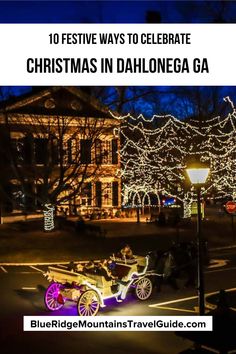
column 26, row 242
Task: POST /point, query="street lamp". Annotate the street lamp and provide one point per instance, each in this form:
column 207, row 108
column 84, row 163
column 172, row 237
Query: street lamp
column 198, row 175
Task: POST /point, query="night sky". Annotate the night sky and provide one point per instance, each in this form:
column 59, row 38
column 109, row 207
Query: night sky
column 124, row 12
column 116, row 11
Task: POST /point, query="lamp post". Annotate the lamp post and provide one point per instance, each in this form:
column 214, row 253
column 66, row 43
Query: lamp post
column 198, row 176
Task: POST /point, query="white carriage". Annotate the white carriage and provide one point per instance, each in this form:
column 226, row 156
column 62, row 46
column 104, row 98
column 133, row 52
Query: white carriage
column 90, row 291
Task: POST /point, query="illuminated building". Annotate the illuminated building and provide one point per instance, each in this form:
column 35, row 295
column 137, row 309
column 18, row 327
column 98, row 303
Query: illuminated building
column 59, row 147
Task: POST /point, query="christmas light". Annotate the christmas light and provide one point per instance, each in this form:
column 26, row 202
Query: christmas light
column 48, row 217
column 155, row 152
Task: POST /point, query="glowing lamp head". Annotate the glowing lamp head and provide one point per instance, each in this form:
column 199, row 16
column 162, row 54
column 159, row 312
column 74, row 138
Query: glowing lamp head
column 198, row 175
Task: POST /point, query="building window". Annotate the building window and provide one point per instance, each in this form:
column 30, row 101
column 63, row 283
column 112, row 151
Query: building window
column 18, row 150
column 72, row 150
column 106, row 152
column 40, row 191
column 17, row 196
column 28, row 147
column 115, row 194
column 98, row 152
column 98, row 194
column 85, row 151
column 107, row 194
column 55, row 151
column 86, row 194
column 23, row 196
column 115, row 151
column 22, row 150
column 40, row 150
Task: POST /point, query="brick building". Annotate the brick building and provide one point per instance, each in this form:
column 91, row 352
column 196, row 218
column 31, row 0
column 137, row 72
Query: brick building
column 59, row 146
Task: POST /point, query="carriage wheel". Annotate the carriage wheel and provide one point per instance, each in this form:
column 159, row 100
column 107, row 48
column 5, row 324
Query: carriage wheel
column 143, row 289
column 88, row 303
column 53, row 299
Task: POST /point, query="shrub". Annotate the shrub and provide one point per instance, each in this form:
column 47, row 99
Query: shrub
column 118, row 214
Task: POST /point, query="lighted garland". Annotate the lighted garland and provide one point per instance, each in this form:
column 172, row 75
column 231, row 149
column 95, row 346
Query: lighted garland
column 48, row 214
column 155, row 151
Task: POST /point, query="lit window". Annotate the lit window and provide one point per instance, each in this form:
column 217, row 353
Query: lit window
column 107, row 194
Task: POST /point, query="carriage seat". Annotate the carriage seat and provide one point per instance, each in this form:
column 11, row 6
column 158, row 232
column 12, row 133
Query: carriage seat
column 124, row 271
column 101, row 281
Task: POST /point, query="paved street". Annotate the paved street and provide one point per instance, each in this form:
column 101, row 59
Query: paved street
column 23, row 288
column 25, row 256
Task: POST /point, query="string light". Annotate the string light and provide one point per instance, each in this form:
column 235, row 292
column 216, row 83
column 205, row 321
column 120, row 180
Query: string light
column 48, row 214
column 155, row 151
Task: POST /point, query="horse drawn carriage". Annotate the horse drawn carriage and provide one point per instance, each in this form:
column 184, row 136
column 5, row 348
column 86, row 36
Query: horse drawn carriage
column 90, row 289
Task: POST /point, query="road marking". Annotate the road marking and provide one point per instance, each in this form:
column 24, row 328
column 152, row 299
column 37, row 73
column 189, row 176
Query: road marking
column 39, row 270
column 4, row 270
column 175, row 309
column 174, row 301
column 188, row 298
column 28, row 288
column 219, row 270
column 45, row 263
column 34, row 263
column 25, row 273
column 218, row 263
column 214, row 306
column 222, row 248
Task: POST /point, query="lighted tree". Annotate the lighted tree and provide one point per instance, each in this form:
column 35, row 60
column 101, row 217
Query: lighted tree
column 155, row 152
column 153, row 156
column 218, row 148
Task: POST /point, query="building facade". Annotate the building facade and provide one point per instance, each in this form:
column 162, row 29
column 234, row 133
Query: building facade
column 59, row 146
